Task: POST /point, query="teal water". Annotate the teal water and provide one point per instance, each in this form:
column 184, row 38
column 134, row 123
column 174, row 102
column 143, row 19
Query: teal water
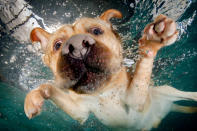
column 21, row 69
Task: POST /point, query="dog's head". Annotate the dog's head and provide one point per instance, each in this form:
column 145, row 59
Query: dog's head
column 82, row 55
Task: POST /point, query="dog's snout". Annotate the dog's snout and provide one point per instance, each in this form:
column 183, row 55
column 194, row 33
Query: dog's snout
column 78, row 45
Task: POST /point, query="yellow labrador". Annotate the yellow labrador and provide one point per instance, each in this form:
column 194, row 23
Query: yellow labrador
column 86, row 60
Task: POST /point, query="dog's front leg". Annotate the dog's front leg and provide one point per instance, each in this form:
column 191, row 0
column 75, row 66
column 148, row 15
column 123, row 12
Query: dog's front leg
column 161, row 32
column 70, row 102
column 137, row 92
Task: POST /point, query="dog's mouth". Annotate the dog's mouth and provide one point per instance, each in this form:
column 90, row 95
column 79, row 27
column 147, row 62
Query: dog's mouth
column 87, row 71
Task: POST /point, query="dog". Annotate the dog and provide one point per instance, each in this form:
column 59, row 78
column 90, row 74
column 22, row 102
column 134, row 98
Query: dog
column 86, row 60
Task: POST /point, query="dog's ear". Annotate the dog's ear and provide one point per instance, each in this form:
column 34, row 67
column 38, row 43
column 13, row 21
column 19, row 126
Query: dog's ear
column 111, row 13
column 40, row 35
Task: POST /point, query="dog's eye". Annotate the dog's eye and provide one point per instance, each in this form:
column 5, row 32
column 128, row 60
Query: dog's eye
column 57, row 45
column 96, row 31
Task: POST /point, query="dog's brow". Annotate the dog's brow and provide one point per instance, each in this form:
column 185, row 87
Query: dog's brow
column 95, row 21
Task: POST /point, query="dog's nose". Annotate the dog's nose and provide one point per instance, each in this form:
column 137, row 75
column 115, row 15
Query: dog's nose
column 78, row 46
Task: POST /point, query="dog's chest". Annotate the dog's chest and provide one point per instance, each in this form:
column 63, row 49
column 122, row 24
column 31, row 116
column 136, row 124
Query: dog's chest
column 110, row 109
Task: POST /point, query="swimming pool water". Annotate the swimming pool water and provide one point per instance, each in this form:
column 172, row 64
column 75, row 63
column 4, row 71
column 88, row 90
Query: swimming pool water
column 21, row 67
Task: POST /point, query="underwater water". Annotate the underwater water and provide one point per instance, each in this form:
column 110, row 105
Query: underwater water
column 21, row 67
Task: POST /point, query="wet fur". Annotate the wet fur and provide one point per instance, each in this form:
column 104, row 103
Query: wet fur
column 118, row 100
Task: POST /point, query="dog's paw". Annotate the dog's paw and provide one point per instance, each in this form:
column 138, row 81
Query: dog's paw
column 33, row 103
column 162, row 30
column 35, row 99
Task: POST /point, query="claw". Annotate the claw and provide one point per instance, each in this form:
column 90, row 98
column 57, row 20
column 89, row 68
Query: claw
column 31, row 113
